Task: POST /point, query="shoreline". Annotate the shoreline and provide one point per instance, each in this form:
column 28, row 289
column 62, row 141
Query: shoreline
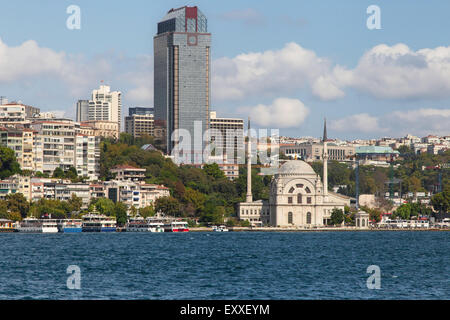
column 275, row 229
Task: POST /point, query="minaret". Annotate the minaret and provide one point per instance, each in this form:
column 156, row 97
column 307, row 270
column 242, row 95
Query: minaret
column 249, row 197
column 325, row 161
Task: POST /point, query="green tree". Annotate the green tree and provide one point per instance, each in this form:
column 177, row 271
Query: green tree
column 58, row 173
column 168, row 205
column 441, row 201
column 8, row 163
column 214, row 171
column 120, row 211
column 103, row 206
column 337, row 216
column 147, row 212
column 18, row 203
column 75, row 203
column 404, row 211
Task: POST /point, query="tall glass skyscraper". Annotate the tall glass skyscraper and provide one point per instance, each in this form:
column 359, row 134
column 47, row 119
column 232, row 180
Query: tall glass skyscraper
column 182, row 77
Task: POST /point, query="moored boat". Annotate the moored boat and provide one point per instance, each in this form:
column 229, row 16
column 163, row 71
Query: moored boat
column 6, row 226
column 70, row 226
column 33, row 225
column 140, row 224
column 98, row 223
column 221, row 228
column 176, row 226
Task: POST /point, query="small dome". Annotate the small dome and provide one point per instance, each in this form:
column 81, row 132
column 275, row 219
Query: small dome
column 296, row 167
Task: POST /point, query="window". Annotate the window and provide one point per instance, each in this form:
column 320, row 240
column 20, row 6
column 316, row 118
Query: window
column 291, row 190
column 309, row 200
column 308, row 218
column 299, row 185
column 299, row 198
column 290, row 218
column 289, row 199
column 307, row 190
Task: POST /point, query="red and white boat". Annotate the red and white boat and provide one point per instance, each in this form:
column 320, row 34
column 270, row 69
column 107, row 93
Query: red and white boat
column 176, row 226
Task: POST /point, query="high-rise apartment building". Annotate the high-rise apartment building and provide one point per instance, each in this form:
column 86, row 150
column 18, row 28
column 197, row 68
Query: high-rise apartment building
column 105, row 105
column 182, row 77
column 141, row 111
column 82, row 110
column 227, row 134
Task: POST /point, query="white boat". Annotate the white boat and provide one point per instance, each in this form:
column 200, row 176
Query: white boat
column 140, row 224
column 176, row 226
column 221, row 228
column 98, row 223
column 70, row 225
column 33, row 225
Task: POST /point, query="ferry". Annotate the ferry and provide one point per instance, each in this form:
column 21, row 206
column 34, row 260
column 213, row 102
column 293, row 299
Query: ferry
column 70, row 226
column 176, row 226
column 6, row 226
column 221, row 228
column 98, row 223
column 33, row 225
column 140, row 224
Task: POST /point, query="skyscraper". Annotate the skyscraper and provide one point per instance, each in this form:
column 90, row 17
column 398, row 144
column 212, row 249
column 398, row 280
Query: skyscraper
column 82, row 110
column 182, row 76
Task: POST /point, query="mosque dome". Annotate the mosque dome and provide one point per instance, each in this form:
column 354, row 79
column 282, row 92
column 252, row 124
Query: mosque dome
column 296, row 167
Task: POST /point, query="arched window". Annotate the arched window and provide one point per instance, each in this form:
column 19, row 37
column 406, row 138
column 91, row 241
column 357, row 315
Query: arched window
column 363, row 222
column 308, row 218
column 307, row 190
column 299, row 198
column 290, row 218
column 291, row 190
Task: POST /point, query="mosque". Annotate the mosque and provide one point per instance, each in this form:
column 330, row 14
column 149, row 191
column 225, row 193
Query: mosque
column 298, row 197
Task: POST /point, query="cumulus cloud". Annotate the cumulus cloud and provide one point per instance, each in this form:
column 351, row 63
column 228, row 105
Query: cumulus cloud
column 282, row 113
column 274, row 72
column 29, row 60
column 396, row 123
column 142, row 81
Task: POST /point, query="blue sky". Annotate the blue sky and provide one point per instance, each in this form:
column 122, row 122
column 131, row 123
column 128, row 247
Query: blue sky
column 287, row 64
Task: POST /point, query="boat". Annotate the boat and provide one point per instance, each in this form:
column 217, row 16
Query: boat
column 33, row 225
column 70, row 225
column 6, row 226
column 221, row 228
column 140, row 224
column 98, row 223
column 176, row 226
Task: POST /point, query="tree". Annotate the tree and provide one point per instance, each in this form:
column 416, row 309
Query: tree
column 120, row 211
column 58, row 173
column 103, row 206
column 196, row 198
column 404, row 211
column 8, row 163
column 168, row 205
column 75, row 203
column 214, row 171
column 337, row 216
column 147, row 212
column 18, row 203
column 441, row 201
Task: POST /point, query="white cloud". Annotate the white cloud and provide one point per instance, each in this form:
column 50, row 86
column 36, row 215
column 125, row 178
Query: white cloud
column 273, row 73
column 282, row 113
column 362, row 122
column 142, row 81
column 29, row 60
column 397, row 123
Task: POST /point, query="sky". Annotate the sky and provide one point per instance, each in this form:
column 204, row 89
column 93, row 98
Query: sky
column 286, row 64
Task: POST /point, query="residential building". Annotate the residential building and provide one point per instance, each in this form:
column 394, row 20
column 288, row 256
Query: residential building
column 105, row 105
column 182, row 80
column 139, row 125
column 23, row 142
column 13, row 114
column 313, row 151
column 227, row 135
column 100, row 128
column 82, row 110
column 128, row 173
column 141, row 111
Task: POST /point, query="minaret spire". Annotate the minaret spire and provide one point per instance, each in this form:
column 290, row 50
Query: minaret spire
column 325, row 160
column 249, row 197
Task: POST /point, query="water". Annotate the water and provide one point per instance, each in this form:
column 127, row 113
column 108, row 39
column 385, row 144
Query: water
column 234, row 265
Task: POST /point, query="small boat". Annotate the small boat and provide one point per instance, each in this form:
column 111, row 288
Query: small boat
column 221, row 228
column 33, row 225
column 98, row 223
column 176, row 226
column 6, row 226
column 70, row 226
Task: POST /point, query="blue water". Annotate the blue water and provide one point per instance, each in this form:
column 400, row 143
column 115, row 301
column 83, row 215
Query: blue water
column 234, row 265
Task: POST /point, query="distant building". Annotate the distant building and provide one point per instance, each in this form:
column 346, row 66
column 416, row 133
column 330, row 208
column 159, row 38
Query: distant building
column 140, row 125
column 82, row 110
column 376, row 155
column 140, row 111
column 100, row 128
column 182, row 77
column 130, row 173
column 313, row 151
column 227, row 134
column 105, row 105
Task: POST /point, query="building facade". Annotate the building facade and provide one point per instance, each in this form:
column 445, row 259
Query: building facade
column 105, row 105
column 140, row 125
column 182, row 78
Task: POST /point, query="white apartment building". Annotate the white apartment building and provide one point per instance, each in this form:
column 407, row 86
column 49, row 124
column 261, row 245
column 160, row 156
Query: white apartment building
column 104, row 105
